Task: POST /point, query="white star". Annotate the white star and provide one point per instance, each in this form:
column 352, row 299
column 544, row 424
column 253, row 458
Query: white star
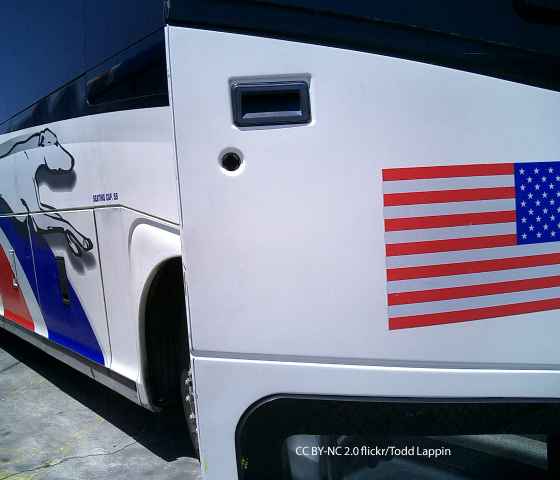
column 550, row 170
column 551, row 186
column 552, row 233
column 536, row 170
column 522, row 171
column 523, row 220
column 531, row 211
column 524, row 236
column 530, row 195
column 523, row 187
column 545, row 210
column 539, row 218
column 538, row 203
column 523, row 203
column 558, row 178
column 531, row 228
column 539, row 234
column 544, row 194
column 529, row 179
column 552, row 218
column 551, row 201
column 543, row 179
column 545, row 227
column 558, row 194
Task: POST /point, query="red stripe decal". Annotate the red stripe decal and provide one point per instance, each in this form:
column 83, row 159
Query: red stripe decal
column 15, row 308
column 425, row 320
column 450, row 245
column 461, row 268
column 446, row 196
column 19, row 319
column 450, row 293
column 417, row 173
column 455, row 220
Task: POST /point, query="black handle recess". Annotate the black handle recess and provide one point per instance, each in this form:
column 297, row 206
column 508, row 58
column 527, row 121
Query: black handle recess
column 270, row 103
column 62, row 280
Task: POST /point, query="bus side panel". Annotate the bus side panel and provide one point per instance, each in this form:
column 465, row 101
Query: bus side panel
column 228, row 388
column 297, row 254
column 131, row 249
column 19, row 298
column 69, row 280
column 121, row 158
column 89, row 161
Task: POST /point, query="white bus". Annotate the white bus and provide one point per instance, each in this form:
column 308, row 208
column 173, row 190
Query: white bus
column 330, row 229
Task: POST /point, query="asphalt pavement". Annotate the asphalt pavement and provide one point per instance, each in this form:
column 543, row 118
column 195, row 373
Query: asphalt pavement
column 58, row 424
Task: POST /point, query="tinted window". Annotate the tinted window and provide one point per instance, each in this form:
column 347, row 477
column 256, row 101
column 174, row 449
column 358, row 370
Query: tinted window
column 112, row 26
column 41, row 47
column 303, row 438
column 138, row 72
column 47, row 45
column 451, row 457
column 134, row 78
column 503, row 22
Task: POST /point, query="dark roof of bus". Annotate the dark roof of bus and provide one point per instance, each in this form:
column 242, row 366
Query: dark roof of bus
column 517, row 40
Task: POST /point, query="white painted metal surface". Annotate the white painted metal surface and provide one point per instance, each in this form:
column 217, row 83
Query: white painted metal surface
column 131, row 249
column 287, row 259
column 285, row 262
column 117, row 176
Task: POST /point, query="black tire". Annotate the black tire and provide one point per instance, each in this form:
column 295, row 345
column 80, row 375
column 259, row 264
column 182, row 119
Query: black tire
column 167, row 344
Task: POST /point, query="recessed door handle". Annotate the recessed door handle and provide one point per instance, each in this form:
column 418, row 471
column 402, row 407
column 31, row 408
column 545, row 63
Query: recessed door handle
column 270, row 103
column 62, row 280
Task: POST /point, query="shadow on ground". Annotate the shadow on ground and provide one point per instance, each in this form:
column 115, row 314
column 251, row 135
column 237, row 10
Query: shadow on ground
column 164, row 434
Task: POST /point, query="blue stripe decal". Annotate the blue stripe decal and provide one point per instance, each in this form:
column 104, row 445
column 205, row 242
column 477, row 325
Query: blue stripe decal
column 68, row 324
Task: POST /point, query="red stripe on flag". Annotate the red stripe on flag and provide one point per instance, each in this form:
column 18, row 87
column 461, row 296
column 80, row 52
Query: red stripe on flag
column 461, row 268
column 425, row 320
column 446, row 196
column 417, row 173
column 455, row 220
column 450, row 293
column 450, row 245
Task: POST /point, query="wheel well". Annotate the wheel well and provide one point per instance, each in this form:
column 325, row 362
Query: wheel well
column 165, row 335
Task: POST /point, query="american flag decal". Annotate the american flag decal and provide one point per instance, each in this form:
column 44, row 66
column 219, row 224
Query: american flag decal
column 471, row 242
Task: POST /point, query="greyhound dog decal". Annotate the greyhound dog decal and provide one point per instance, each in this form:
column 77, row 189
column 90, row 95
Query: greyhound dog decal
column 36, row 166
column 55, row 168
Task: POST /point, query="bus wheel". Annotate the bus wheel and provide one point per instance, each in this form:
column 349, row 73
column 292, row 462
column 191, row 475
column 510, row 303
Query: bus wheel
column 189, row 407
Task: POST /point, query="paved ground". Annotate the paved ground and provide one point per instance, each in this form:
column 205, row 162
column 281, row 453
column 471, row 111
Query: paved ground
column 57, row 424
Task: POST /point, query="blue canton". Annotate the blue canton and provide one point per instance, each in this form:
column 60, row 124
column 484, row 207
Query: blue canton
column 537, row 202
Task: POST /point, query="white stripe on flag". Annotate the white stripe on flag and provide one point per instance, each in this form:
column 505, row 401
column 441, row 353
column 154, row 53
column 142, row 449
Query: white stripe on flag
column 467, row 231
column 1, row 306
column 449, row 208
column 472, row 255
column 473, row 302
column 430, row 283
